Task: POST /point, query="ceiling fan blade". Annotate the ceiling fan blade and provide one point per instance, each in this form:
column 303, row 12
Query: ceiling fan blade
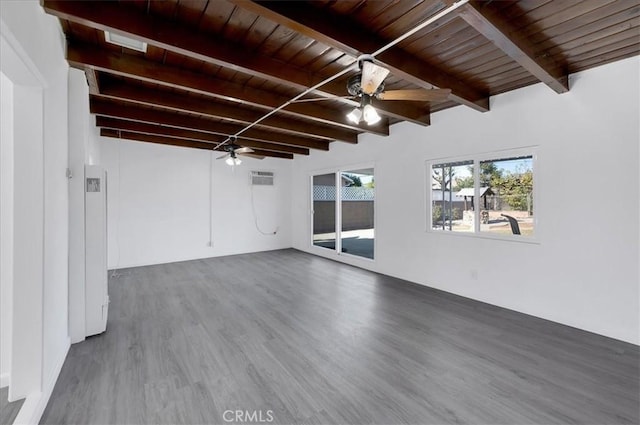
column 223, row 156
column 372, row 76
column 421, row 95
column 243, row 150
column 252, row 155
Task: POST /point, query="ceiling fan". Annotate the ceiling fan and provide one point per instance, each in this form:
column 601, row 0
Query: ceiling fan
column 368, row 83
column 233, row 151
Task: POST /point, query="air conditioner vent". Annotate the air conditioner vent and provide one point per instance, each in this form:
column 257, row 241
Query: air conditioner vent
column 261, row 178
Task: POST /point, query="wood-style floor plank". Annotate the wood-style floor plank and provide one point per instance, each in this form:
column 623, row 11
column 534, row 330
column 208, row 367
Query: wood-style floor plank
column 8, row 411
column 319, row 342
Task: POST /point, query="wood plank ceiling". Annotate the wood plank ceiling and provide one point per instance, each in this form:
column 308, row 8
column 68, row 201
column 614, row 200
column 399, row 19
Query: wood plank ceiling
column 214, row 67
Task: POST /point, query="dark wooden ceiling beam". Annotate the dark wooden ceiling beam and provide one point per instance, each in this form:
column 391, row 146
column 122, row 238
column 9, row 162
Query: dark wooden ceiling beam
column 134, row 113
column 520, row 49
column 352, row 38
column 210, row 48
column 271, row 147
column 118, row 134
column 92, row 80
column 149, row 138
column 170, row 100
column 282, row 155
column 160, row 130
column 336, row 122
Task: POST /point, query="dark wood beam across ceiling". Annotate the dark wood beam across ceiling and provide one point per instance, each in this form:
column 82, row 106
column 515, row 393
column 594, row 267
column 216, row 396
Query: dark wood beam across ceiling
column 138, row 137
column 83, row 55
column 350, row 37
column 213, row 49
column 514, row 45
column 210, row 107
column 163, row 130
column 132, row 112
column 118, row 134
column 92, row 80
column 216, row 69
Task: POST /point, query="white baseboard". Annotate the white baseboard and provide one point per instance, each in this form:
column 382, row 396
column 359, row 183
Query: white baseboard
column 4, row 380
column 27, row 413
column 34, row 405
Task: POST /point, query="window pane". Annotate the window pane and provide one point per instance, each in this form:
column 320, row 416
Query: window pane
column 358, row 197
column 507, row 196
column 324, row 210
column 452, row 196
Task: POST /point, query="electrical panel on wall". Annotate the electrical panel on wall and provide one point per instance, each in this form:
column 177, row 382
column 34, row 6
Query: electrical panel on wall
column 261, row 178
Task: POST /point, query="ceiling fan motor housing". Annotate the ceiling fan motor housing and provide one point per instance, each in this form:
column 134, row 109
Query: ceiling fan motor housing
column 354, row 86
column 231, row 147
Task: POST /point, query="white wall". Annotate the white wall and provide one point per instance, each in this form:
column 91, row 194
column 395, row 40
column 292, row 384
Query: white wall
column 28, row 243
column 56, row 216
column 584, row 271
column 158, row 204
column 33, row 59
column 6, row 227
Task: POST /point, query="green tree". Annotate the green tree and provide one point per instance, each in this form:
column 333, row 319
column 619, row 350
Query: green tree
column 463, row 183
column 355, row 180
column 370, row 185
column 443, row 180
column 517, row 187
column 490, row 176
column 436, row 214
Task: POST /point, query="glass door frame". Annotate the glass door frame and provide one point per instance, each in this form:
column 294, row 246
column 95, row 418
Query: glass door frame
column 338, row 210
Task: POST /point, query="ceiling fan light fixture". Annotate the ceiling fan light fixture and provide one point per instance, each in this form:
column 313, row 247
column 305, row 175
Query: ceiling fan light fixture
column 365, row 111
column 233, row 159
column 370, row 114
column 355, row 116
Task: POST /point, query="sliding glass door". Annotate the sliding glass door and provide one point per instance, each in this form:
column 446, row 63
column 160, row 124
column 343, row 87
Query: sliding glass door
column 324, row 207
column 356, row 212
column 343, row 220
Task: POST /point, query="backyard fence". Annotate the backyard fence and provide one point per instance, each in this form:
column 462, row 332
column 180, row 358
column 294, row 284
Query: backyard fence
column 357, row 208
column 350, row 193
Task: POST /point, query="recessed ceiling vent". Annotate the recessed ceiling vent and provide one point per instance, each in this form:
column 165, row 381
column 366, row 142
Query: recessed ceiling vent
column 122, row 41
column 261, row 178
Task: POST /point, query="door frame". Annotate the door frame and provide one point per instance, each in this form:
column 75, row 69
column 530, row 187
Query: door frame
column 337, row 251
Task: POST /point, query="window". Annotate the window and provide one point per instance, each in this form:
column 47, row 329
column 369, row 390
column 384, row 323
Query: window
column 490, row 194
column 343, row 220
column 449, row 210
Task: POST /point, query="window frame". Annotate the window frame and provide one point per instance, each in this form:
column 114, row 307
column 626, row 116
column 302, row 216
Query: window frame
column 477, row 158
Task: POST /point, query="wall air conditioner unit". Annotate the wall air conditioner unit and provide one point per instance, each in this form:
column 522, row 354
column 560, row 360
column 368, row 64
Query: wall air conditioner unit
column 261, row 178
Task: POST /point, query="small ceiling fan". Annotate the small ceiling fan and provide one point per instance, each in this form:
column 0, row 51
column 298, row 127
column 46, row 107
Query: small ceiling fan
column 233, row 151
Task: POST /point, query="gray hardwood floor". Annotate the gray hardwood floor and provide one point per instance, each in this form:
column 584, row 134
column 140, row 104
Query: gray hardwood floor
column 8, row 411
column 305, row 340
